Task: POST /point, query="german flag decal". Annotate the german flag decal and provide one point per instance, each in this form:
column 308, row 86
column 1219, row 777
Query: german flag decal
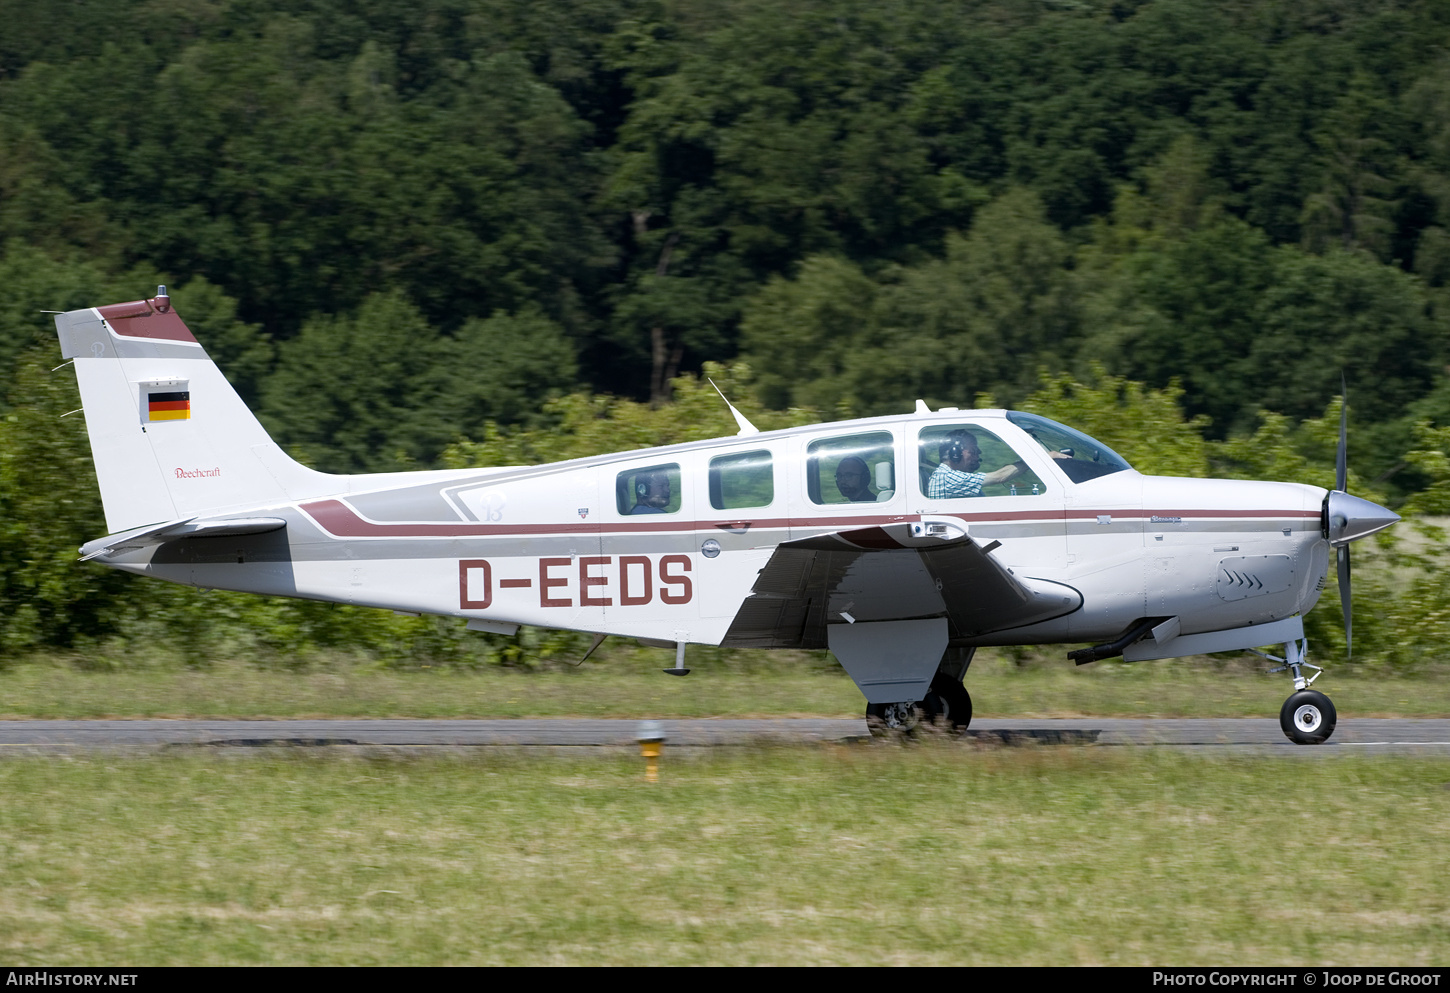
column 169, row 406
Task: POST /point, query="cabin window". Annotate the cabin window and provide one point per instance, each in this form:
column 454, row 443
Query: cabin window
column 966, row 460
column 742, row 480
column 858, row 468
column 652, row 490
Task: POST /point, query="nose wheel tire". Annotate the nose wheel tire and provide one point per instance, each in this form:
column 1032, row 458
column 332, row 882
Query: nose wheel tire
column 1308, row 718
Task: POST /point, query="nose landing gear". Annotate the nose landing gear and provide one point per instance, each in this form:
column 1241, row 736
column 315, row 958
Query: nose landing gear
column 1307, row 717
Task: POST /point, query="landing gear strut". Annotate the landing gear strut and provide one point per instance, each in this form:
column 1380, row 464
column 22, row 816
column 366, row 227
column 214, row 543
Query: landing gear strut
column 1307, row 717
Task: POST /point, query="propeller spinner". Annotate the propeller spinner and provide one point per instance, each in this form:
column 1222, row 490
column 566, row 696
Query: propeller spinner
column 1348, row 518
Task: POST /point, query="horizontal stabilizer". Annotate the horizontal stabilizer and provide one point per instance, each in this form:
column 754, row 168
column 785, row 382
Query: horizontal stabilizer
column 174, row 530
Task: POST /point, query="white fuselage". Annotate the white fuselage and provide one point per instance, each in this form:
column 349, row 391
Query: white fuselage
column 565, row 546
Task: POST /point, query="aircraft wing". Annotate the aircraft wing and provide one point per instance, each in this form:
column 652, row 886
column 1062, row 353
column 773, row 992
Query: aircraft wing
column 896, row 572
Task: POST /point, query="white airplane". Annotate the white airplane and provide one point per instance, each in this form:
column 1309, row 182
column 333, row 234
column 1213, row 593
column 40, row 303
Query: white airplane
column 900, row 543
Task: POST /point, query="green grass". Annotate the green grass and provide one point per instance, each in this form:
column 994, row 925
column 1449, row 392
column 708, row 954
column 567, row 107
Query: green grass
column 867, row 854
column 631, row 685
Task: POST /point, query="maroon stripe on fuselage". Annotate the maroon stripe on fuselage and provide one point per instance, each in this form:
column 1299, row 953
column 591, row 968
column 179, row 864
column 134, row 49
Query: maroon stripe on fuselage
column 340, row 520
column 1195, row 514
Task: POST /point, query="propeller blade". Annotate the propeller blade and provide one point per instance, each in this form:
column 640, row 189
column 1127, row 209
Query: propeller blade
column 1344, row 600
column 1341, row 457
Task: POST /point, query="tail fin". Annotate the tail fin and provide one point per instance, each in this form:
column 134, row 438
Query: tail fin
column 170, row 437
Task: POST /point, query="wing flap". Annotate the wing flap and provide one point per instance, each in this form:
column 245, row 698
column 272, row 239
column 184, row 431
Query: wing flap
column 982, row 595
column 896, row 572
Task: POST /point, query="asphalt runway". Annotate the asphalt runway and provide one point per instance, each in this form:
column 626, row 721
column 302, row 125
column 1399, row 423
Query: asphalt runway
column 1362, row 736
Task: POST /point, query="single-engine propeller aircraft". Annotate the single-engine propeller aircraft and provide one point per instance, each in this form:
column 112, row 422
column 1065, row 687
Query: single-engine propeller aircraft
column 900, row 543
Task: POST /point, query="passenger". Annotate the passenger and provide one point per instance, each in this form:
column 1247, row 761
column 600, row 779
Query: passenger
column 651, row 493
column 957, row 476
column 853, row 479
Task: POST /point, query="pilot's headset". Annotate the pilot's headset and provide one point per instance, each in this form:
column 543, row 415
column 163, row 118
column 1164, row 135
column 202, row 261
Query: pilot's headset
column 951, row 450
column 646, row 482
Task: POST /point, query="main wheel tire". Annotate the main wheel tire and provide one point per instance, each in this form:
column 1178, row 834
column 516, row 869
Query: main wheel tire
column 892, row 719
column 948, row 703
column 1308, row 718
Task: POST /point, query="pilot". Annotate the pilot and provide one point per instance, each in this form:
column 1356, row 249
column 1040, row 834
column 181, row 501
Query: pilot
column 853, row 479
column 957, row 476
column 651, row 493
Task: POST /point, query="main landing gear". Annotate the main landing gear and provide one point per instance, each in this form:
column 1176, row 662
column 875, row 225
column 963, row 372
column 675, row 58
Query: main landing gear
column 1307, row 717
column 947, row 704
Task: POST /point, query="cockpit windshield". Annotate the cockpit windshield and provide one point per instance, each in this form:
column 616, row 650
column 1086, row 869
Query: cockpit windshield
column 1086, row 458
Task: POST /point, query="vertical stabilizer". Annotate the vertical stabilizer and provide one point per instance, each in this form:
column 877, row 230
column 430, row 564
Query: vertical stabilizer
column 170, row 437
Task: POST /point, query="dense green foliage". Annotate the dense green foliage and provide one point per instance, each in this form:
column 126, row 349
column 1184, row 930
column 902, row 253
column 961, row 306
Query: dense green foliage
column 480, row 231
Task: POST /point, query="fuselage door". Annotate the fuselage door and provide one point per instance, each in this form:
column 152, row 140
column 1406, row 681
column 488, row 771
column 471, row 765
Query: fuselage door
column 997, row 481
column 740, row 513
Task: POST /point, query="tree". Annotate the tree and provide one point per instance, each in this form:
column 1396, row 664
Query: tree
column 360, row 393
column 49, row 506
column 501, row 369
column 1344, row 311
column 1144, row 425
column 998, row 307
column 801, row 332
column 1185, row 308
column 1353, row 205
column 581, row 425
